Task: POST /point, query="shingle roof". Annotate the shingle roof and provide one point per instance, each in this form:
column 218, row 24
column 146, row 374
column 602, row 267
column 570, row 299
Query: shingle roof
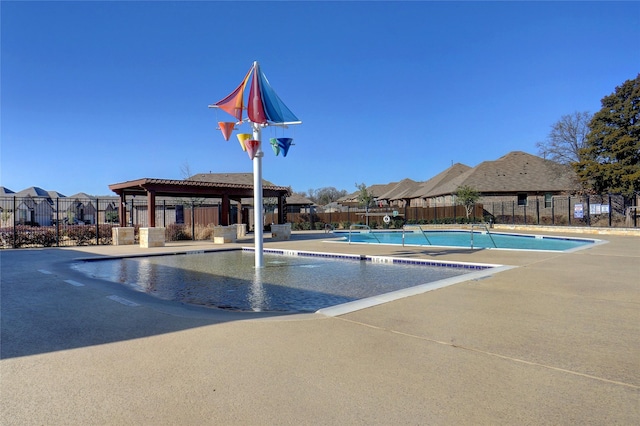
column 239, row 178
column 299, row 200
column 35, row 191
column 515, row 172
column 445, row 176
column 376, row 190
column 81, row 195
column 401, row 190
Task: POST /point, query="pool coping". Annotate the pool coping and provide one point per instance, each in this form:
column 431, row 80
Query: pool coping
column 593, row 241
column 480, row 271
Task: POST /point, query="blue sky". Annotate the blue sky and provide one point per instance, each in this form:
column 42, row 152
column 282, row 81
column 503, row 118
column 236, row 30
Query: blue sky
column 95, row 93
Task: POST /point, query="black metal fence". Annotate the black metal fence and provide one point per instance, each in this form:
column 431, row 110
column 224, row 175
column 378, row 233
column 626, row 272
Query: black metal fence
column 46, row 222
column 588, row 210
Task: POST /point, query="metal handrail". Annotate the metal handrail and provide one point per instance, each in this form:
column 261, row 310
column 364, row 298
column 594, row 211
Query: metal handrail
column 421, row 230
column 365, row 227
column 486, row 228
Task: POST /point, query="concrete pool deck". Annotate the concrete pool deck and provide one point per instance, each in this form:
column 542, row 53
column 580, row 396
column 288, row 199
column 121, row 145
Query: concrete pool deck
column 555, row 340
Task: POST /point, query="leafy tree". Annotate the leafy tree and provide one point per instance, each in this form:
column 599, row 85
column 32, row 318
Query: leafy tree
column 467, row 196
column 365, row 198
column 566, row 138
column 610, row 161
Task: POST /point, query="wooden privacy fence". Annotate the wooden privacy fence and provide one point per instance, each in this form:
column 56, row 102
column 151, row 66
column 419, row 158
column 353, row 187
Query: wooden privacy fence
column 447, row 214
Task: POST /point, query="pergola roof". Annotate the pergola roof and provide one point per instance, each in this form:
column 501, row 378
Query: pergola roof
column 193, row 188
column 152, row 188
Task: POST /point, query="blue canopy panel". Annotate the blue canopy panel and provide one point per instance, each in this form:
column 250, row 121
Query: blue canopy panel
column 275, row 110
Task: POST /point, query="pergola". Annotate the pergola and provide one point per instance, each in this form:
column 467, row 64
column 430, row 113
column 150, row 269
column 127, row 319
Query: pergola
column 152, row 188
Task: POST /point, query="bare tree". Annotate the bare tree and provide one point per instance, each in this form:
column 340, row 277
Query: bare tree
column 326, row 195
column 185, row 170
column 566, row 138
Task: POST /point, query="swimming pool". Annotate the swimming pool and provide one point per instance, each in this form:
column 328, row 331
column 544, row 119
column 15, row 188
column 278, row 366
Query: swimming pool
column 468, row 239
column 291, row 281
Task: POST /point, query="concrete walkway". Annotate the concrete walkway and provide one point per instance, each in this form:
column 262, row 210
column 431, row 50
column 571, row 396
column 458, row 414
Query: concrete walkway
column 555, row 340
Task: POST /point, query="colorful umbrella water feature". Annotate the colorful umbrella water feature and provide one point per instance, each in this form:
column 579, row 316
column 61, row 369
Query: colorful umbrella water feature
column 264, row 108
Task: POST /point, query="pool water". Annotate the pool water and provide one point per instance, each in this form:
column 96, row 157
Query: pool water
column 463, row 239
column 300, row 283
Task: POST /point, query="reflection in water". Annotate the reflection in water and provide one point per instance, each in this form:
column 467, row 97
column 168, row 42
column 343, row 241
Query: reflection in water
column 229, row 280
column 257, row 292
column 145, row 278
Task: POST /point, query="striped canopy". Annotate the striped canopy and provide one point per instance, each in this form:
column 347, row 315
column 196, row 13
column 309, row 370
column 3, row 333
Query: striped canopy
column 263, row 105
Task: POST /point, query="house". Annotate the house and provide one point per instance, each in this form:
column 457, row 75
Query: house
column 517, row 177
column 34, row 205
column 32, row 211
column 6, row 207
column 400, row 194
column 352, row 200
column 298, row 204
column 419, row 198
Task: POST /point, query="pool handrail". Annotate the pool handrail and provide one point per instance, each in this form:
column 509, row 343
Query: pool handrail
column 421, row 230
column 365, row 227
column 486, row 228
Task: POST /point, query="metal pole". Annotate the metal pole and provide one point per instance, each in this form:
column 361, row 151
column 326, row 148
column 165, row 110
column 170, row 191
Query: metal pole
column 57, row 222
column 193, row 221
column 97, row 222
column 257, row 199
column 14, row 223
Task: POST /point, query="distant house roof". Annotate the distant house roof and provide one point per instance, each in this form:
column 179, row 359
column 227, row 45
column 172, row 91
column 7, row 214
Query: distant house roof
column 515, row 172
column 297, row 199
column 5, row 191
column 376, row 190
column 82, row 195
column 35, row 191
column 439, row 179
column 400, row 191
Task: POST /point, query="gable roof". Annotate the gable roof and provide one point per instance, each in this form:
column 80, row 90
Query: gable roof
column 35, row 191
column 441, row 178
column 515, row 172
column 376, row 190
column 401, row 190
column 83, row 196
column 5, row 191
column 297, row 199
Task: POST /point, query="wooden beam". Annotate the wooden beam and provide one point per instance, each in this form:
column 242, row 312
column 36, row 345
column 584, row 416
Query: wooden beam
column 151, row 208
